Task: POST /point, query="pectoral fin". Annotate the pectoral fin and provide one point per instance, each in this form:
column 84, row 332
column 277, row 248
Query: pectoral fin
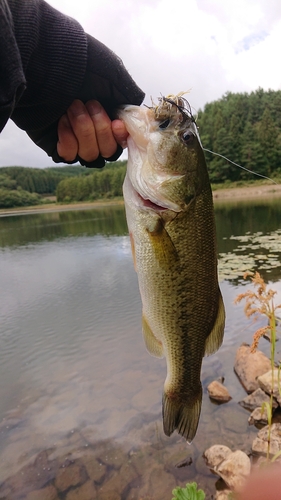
column 163, row 246
column 154, row 346
column 215, row 338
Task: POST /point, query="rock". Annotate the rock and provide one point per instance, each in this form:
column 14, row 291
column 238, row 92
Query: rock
column 86, row 492
column 108, row 494
column 5, row 492
column 133, row 494
column 256, row 399
column 265, row 382
column 249, row 366
column 119, row 480
column 160, row 482
column 234, row 469
column 223, row 495
column 95, row 469
column 260, row 462
column 231, row 418
column 263, row 462
column 218, row 392
column 68, row 476
column 34, row 476
column 258, row 417
column 216, row 454
column 113, row 456
column 48, row 493
column 260, row 444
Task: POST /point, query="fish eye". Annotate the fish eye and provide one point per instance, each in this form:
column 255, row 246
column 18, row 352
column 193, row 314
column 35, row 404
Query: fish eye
column 164, row 124
column 187, row 137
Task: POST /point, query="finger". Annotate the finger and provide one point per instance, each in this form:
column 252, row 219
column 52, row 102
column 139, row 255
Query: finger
column 67, row 146
column 84, row 130
column 262, row 484
column 103, row 127
column 120, row 132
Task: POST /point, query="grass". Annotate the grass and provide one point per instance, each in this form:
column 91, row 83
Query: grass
column 260, row 301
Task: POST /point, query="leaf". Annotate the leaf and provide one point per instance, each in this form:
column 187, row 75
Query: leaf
column 190, row 492
column 278, row 454
column 279, row 386
column 268, row 408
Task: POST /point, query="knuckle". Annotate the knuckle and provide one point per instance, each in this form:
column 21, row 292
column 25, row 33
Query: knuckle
column 103, row 130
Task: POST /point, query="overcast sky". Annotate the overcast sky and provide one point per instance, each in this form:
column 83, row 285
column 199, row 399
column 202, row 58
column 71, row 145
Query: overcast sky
column 208, row 46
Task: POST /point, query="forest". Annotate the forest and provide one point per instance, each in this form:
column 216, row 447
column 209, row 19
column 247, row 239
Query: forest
column 22, row 186
column 246, row 128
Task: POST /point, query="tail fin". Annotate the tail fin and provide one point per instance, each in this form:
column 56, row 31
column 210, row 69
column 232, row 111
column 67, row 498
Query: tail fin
column 181, row 415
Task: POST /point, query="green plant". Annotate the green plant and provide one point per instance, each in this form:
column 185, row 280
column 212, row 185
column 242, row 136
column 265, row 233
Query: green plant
column 257, row 303
column 190, row 492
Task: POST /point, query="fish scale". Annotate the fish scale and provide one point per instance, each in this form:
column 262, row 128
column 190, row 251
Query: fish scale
column 170, row 217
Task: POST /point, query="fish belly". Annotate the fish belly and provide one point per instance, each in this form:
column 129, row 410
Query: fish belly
column 183, row 316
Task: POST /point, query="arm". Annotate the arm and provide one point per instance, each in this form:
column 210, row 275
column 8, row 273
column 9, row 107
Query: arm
column 61, row 63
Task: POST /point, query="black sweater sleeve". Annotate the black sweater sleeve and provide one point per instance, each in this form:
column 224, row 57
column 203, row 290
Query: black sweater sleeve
column 47, row 61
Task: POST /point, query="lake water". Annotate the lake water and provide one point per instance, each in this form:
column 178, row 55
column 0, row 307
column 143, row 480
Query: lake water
column 80, row 398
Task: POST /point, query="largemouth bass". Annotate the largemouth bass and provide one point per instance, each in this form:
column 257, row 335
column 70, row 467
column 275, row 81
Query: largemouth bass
column 170, row 216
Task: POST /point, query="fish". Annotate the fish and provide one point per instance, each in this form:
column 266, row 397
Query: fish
column 170, row 217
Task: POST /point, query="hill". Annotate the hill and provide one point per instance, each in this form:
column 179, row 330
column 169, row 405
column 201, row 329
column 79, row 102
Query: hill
column 246, row 128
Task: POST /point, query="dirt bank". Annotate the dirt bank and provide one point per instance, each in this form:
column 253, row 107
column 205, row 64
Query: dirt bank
column 57, row 207
column 258, row 191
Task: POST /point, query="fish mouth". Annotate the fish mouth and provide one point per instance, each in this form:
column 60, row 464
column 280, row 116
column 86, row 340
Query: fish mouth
column 146, row 192
column 145, row 203
column 148, row 204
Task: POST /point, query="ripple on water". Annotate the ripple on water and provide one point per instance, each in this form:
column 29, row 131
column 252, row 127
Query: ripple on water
column 81, row 394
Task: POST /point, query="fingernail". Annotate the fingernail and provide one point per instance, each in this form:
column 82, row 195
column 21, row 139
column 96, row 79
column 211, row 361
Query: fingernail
column 93, row 107
column 77, row 108
column 64, row 122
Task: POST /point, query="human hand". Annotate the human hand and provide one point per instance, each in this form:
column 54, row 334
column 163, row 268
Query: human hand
column 263, row 484
column 87, row 131
column 54, row 125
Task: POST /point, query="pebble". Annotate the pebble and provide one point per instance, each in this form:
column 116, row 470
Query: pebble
column 85, row 492
column 218, row 392
column 68, row 476
column 216, row 454
column 258, row 417
column 48, row 493
column 223, row 495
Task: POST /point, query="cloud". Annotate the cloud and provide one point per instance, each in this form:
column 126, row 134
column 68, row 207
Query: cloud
column 249, row 41
column 210, row 46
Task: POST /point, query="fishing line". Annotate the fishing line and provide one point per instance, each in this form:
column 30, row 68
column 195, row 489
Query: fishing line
column 237, row 165
column 230, row 161
column 184, row 108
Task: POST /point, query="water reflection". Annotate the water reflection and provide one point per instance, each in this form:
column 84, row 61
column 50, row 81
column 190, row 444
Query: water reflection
column 32, row 228
column 239, row 218
column 80, row 399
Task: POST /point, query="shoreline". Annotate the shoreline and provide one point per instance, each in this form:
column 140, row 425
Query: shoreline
column 257, row 192
column 263, row 191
